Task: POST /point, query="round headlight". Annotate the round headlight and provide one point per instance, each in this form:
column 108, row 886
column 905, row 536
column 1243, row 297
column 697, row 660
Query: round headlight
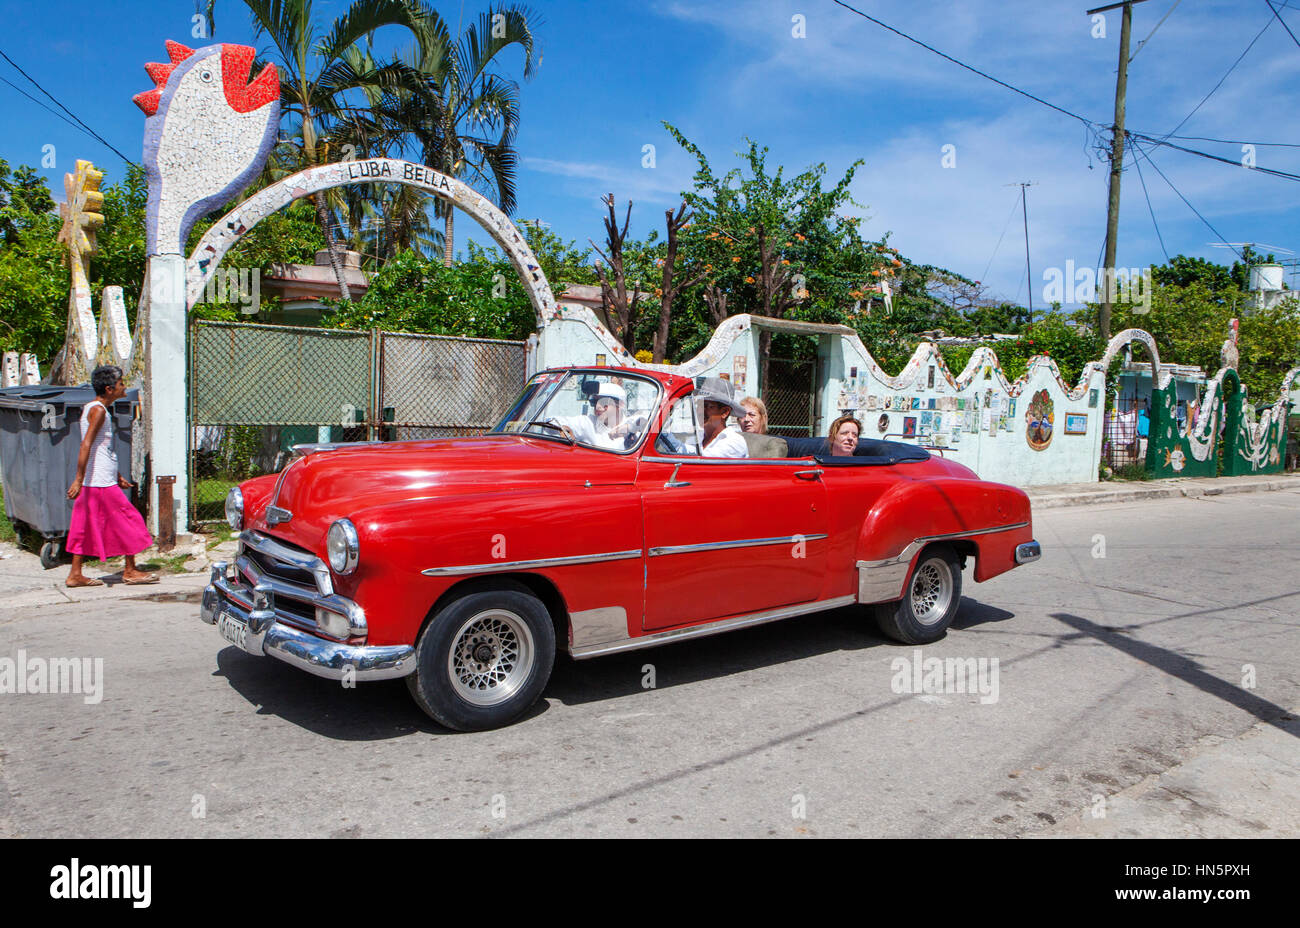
column 235, row 508
column 343, row 546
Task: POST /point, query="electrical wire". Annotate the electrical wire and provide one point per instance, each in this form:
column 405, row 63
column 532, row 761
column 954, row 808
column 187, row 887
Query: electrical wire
column 1201, row 138
column 1138, row 164
column 973, row 70
column 81, row 124
column 1217, row 233
column 1204, row 154
column 1153, row 31
column 1225, row 76
column 42, row 105
column 1282, row 21
column 1005, row 226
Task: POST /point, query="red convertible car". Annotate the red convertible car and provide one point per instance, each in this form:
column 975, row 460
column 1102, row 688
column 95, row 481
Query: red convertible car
column 590, row 517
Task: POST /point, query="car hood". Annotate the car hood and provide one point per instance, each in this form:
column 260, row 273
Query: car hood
column 336, row 483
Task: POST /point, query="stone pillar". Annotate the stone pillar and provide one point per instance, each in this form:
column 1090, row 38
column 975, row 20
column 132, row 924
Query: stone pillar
column 165, row 389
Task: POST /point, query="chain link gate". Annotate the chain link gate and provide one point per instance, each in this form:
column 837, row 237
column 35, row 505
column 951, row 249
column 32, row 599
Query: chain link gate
column 258, row 390
column 789, row 395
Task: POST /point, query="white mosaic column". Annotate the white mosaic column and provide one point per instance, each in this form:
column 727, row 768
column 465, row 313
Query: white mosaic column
column 165, row 391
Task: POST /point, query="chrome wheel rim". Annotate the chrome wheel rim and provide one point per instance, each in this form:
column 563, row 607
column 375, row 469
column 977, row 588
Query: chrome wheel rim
column 491, row 657
column 931, row 591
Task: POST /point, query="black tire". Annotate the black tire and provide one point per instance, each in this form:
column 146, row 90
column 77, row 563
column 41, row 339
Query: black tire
column 930, row 602
column 51, row 552
column 495, row 624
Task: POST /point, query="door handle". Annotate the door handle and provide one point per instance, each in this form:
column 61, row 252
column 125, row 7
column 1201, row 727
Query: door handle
column 809, row 474
column 674, row 482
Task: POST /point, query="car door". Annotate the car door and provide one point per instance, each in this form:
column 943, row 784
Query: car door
column 727, row 537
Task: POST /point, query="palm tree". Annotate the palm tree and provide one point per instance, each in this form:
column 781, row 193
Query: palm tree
column 465, row 115
column 325, row 84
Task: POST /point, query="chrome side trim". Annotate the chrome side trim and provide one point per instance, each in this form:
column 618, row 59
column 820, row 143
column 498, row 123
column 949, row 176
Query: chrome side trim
column 710, row 628
column 301, row 559
column 691, row 459
column 742, row 543
column 1029, row 551
column 597, row 626
column 882, row 581
column 499, row 566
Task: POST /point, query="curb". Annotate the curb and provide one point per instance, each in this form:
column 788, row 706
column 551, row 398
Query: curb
column 1171, row 490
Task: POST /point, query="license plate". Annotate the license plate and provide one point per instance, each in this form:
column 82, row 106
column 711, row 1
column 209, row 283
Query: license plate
column 233, row 629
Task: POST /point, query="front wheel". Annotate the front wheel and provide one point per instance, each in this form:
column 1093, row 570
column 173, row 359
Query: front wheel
column 484, row 659
column 930, row 603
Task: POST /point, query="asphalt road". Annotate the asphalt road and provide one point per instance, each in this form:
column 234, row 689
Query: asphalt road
column 1109, row 669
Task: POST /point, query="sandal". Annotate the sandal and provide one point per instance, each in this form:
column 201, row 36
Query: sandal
column 140, row 581
column 87, row 581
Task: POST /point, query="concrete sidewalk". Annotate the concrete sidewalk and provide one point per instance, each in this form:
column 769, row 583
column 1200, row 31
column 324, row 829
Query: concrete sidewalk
column 1124, row 491
column 25, row 584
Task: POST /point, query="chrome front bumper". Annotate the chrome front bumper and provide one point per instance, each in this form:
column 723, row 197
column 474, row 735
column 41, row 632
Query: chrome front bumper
column 248, row 619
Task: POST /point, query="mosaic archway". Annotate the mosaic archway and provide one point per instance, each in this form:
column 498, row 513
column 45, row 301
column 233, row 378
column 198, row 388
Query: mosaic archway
column 234, row 225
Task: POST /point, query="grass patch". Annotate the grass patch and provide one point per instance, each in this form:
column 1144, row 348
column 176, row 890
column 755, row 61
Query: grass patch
column 7, row 532
column 210, row 499
column 1130, row 472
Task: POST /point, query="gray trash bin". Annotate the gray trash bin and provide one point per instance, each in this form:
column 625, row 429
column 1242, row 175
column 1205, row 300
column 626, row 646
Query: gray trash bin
column 40, row 438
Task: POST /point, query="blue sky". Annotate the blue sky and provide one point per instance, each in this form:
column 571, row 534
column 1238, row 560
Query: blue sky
column 722, row 71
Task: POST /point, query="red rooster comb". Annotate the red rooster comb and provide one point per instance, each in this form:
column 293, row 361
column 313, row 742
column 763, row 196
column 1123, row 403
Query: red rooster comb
column 237, row 62
column 148, row 100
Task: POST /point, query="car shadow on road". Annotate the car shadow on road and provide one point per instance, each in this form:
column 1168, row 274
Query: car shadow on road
column 366, row 712
column 849, row 628
column 382, row 710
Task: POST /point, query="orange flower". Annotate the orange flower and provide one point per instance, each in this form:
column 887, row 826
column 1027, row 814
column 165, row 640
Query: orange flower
column 897, row 263
column 800, row 237
column 749, row 280
column 783, row 261
column 877, row 273
column 735, row 259
column 708, row 267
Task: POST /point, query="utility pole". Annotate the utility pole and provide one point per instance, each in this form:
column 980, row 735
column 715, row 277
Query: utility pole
column 1116, row 161
column 1024, row 212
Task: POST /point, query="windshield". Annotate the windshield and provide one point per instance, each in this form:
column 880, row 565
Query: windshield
column 606, row 411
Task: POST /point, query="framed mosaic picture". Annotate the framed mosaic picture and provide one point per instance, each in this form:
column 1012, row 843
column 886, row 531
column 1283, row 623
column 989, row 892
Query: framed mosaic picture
column 909, row 426
column 1093, row 396
column 1076, row 423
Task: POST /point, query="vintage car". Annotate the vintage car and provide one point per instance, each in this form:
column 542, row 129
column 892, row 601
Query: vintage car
column 459, row 563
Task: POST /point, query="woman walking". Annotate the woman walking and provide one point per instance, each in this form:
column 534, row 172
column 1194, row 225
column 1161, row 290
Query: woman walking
column 104, row 523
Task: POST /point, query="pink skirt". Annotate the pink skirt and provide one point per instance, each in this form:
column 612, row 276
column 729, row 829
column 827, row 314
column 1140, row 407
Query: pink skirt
column 105, row 524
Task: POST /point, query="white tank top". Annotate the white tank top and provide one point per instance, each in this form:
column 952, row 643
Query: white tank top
column 101, row 468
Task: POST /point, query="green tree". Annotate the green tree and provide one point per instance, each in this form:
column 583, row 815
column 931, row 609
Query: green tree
column 325, row 79
column 464, row 114
column 413, row 294
column 34, row 278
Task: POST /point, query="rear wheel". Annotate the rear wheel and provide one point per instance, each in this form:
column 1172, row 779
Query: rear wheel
column 484, row 659
column 930, row 602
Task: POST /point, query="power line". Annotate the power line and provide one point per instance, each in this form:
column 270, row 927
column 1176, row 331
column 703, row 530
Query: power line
column 1151, row 162
column 76, row 118
column 1153, row 31
column 1005, row 226
column 1201, row 138
column 1138, row 164
column 962, row 64
column 42, row 105
column 1225, row 76
column 1282, row 21
column 1204, row 154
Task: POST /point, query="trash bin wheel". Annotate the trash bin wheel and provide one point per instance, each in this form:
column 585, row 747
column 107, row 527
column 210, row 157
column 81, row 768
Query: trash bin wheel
column 50, row 554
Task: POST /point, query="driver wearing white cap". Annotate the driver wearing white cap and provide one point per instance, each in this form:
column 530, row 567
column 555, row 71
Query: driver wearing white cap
column 605, row 427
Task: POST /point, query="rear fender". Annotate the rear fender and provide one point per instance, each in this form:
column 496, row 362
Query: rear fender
column 985, row 519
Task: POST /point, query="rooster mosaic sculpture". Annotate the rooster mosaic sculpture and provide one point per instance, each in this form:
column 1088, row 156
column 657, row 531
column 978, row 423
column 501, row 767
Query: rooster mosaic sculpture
column 208, row 134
